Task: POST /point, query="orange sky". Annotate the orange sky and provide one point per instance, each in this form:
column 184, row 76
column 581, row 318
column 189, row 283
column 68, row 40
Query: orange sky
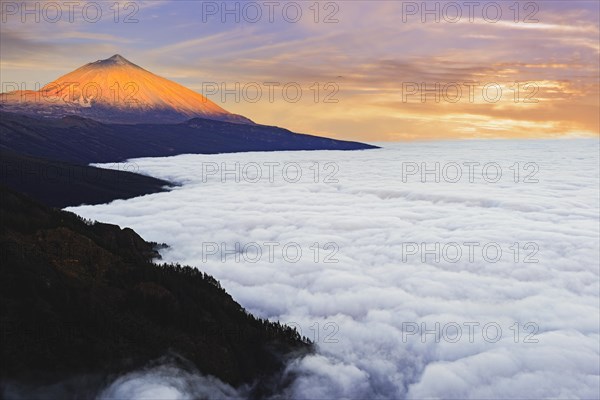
column 370, row 57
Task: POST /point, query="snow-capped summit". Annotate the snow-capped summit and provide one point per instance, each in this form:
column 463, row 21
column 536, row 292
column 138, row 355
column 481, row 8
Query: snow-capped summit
column 117, row 90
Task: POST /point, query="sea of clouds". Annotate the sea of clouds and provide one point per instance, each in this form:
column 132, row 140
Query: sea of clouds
column 390, row 320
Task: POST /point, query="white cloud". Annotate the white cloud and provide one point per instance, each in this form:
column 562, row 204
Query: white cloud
column 168, row 381
column 370, row 296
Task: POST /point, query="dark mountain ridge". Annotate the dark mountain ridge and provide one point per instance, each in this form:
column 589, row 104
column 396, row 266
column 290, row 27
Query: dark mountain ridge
column 85, row 298
column 62, row 184
column 84, row 141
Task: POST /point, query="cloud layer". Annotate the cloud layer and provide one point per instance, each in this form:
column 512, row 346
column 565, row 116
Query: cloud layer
column 375, row 312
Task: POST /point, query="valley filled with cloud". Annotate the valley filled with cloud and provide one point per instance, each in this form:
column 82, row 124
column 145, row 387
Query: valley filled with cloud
column 464, row 269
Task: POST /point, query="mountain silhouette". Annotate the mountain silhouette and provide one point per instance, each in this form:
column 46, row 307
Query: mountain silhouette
column 85, row 300
column 113, row 110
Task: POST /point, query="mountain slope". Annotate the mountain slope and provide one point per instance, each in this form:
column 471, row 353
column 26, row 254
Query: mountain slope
column 82, row 298
column 59, row 184
column 78, row 140
column 116, row 90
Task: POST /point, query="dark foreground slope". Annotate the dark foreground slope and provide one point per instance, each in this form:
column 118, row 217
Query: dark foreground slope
column 79, row 140
column 60, row 184
column 82, row 298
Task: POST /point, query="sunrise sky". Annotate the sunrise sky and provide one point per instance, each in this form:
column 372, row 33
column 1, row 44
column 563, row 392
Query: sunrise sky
column 377, row 53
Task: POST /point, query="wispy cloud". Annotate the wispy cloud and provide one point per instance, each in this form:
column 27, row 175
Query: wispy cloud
column 369, row 53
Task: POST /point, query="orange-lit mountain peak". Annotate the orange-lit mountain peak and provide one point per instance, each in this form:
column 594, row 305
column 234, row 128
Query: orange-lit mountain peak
column 117, row 90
